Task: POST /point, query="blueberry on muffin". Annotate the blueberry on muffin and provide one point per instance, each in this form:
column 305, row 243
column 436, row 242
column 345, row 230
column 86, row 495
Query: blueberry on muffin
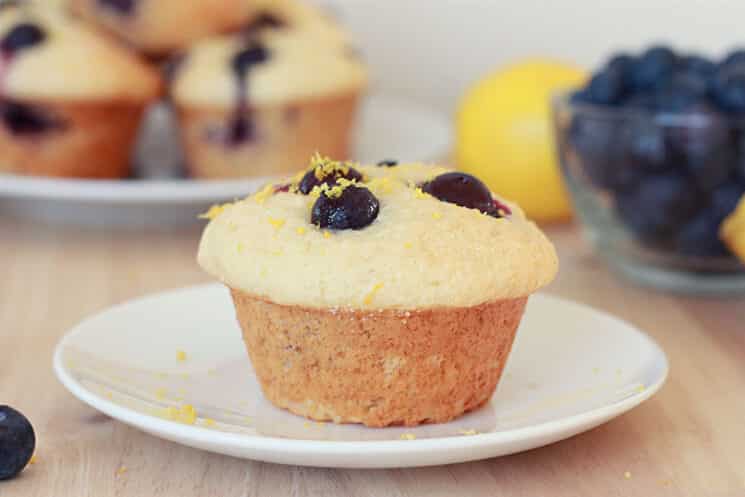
column 383, row 296
column 70, row 100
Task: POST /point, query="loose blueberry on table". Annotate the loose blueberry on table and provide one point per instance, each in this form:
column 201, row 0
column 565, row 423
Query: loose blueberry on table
column 354, row 208
column 17, row 442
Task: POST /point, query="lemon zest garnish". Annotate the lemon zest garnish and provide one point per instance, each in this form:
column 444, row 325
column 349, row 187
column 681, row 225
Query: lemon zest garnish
column 121, row 470
column 370, row 296
column 32, row 460
column 186, row 414
column 214, row 211
column 326, row 234
column 240, row 247
column 408, row 245
column 467, row 432
column 300, row 230
column 381, row 185
column 209, row 422
column 436, row 215
column 181, row 356
column 262, row 195
column 419, row 193
column 277, row 223
column 160, row 393
column 408, row 436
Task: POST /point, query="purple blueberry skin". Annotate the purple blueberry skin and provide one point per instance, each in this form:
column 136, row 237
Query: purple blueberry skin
column 121, row 7
column 21, row 37
column 17, row 442
column 354, row 209
column 464, row 190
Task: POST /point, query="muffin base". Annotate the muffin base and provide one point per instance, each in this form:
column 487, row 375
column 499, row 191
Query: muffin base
column 284, row 137
column 91, row 140
column 378, row 367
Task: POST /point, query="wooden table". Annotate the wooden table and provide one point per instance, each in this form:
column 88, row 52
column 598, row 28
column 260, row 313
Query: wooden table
column 689, row 440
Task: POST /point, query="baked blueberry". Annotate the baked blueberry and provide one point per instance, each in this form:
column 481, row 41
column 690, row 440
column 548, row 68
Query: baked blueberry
column 242, row 127
column 17, row 442
column 22, row 36
column 21, row 119
column 464, row 190
column 327, row 174
column 387, row 163
column 658, row 206
column 265, row 20
column 122, row 7
column 728, row 88
column 250, row 56
column 652, row 67
column 353, row 208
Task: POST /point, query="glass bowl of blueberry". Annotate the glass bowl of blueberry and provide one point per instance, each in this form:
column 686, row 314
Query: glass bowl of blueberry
column 652, row 150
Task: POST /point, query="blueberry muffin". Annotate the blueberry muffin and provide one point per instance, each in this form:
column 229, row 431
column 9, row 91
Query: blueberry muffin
column 260, row 103
column 161, row 27
column 70, row 101
column 382, row 295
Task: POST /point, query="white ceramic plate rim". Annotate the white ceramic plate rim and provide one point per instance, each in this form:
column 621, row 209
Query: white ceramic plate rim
column 175, row 431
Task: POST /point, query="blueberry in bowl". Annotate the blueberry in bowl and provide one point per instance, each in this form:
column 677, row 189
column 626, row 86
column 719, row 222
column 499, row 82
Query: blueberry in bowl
column 652, row 149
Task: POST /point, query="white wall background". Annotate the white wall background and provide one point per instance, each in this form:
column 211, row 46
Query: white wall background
column 431, row 50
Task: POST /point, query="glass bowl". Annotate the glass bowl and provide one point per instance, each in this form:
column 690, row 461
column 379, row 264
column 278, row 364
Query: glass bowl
column 651, row 190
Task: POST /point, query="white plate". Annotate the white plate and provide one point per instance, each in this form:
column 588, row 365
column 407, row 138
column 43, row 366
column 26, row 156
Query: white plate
column 572, row 368
column 387, row 127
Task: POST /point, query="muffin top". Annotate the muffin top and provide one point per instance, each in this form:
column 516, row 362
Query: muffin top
column 408, row 236
column 46, row 54
column 287, row 52
column 160, row 27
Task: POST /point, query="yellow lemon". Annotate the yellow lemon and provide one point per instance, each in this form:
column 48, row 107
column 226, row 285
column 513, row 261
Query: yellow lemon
column 732, row 231
column 505, row 135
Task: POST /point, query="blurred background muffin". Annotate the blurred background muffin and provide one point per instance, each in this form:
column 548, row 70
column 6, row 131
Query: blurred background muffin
column 70, row 100
column 160, row 27
column 261, row 101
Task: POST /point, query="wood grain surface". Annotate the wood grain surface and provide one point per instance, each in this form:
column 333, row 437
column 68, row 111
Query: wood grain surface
column 689, row 440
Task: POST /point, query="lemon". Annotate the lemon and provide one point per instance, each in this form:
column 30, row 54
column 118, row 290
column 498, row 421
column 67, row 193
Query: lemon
column 505, row 136
column 732, row 231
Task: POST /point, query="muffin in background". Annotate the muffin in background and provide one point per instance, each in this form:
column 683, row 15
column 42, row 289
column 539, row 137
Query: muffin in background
column 261, row 102
column 70, row 100
column 382, row 295
column 161, row 27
